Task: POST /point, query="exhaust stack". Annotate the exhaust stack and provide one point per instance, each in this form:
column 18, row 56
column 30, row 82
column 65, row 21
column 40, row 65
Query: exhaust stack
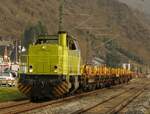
column 62, row 38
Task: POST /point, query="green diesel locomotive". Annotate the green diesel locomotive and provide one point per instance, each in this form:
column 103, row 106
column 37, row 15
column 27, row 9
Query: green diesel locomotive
column 51, row 67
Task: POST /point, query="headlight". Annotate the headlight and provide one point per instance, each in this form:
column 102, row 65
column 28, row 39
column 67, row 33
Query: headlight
column 44, row 47
column 55, row 69
column 30, row 69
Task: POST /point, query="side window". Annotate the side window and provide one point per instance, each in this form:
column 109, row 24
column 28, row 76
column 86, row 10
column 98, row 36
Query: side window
column 72, row 45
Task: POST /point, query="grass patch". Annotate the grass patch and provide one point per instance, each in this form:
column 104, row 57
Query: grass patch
column 10, row 94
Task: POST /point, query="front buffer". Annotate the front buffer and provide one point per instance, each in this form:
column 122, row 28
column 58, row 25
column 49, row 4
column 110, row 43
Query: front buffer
column 43, row 86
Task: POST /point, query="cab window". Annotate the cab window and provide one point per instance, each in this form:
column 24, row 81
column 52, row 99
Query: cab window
column 72, row 45
column 47, row 39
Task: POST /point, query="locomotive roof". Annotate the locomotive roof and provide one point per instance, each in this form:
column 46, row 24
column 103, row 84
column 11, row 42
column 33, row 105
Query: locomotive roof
column 52, row 37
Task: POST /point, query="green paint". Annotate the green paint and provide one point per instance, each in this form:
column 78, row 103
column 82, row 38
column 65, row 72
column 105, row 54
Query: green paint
column 10, row 94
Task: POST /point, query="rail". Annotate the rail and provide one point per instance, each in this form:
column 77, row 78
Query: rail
column 105, row 107
column 25, row 106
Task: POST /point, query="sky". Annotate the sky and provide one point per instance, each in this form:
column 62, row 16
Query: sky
column 142, row 5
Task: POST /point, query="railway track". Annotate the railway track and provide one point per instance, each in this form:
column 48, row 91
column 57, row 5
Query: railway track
column 24, row 106
column 13, row 104
column 114, row 104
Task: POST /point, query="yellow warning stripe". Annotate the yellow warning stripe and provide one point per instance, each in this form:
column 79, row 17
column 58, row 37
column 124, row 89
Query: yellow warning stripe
column 19, row 84
column 27, row 90
column 21, row 87
column 65, row 84
column 58, row 91
column 23, row 90
column 62, row 91
column 64, row 88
